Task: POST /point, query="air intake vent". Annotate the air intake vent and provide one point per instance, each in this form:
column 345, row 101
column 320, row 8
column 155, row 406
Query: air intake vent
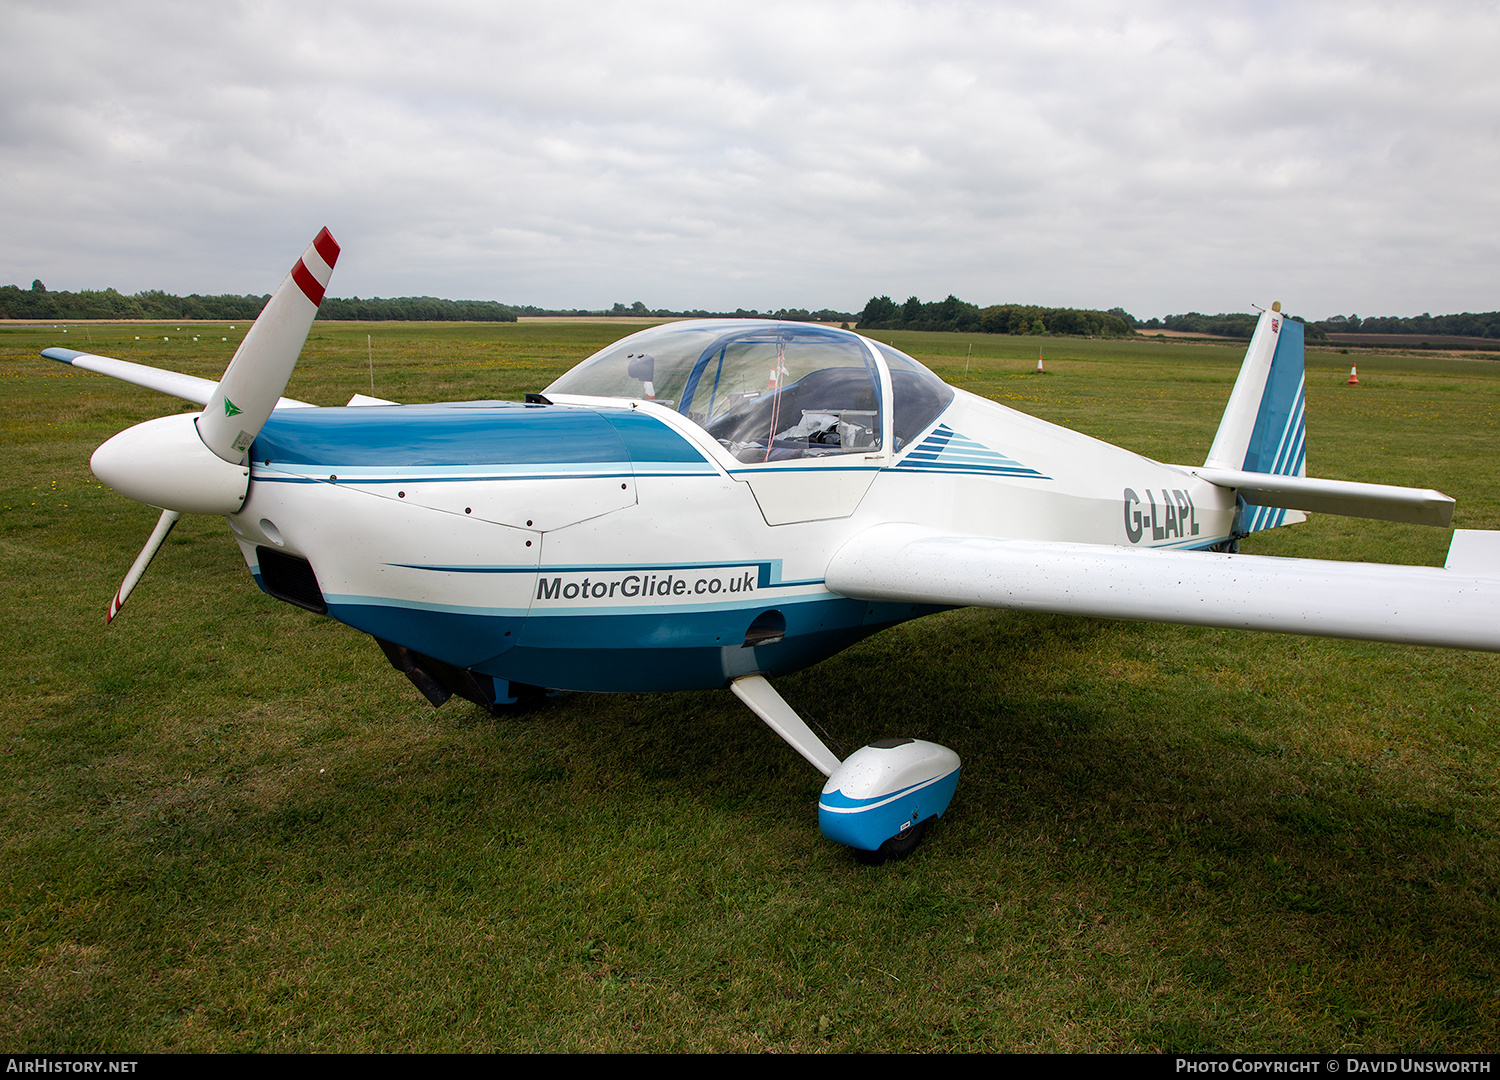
column 289, row 578
column 768, row 628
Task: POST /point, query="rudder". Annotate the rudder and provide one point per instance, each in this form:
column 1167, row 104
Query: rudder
column 1264, row 428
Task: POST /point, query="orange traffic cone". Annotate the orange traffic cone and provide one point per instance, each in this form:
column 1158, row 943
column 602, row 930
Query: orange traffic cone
column 1039, row 369
column 1353, row 375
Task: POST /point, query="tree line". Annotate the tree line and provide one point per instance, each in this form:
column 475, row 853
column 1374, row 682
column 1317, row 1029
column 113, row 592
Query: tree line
column 1484, row 324
column 640, row 310
column 39, row 302
column 882, row 313
column 1237, row 324
column 953, row 314
column 414, row 309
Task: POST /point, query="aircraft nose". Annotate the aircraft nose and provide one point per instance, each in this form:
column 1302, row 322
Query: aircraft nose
column 163, row 463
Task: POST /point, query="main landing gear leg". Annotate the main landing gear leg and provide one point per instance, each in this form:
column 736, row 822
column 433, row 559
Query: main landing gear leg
column 767, row 704
column 880, row 800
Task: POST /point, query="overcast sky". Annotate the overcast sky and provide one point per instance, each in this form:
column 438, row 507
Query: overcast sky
column 1163, row 156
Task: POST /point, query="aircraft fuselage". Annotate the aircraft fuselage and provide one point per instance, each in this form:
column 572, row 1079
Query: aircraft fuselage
column 614, row 545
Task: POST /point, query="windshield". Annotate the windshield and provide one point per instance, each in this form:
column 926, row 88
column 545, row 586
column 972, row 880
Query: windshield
column 768, row 391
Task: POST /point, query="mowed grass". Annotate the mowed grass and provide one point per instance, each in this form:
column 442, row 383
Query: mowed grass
column 230, row 825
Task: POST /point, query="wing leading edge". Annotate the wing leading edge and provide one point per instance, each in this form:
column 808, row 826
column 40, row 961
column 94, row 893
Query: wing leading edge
column 1418, row 605
column 188, row 387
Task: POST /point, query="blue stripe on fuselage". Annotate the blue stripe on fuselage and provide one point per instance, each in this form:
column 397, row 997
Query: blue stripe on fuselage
column 768, row 573
column 653, row 651
column 648, row 439
column 613, row 650
column 468, row 433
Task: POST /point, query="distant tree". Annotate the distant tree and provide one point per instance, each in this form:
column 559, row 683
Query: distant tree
column 1067, row 322
column 878, row 314
column 951, row 314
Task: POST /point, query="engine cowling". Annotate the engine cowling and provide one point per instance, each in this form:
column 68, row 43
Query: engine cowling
column 163, row 463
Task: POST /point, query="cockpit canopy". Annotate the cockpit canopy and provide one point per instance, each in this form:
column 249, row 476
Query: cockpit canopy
column 768, row 391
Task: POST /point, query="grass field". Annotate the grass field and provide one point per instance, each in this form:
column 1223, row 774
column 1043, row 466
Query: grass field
column 230, row 825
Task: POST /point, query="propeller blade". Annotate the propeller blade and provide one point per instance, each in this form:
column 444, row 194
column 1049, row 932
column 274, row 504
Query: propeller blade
column 158, row 537
column 264, row 361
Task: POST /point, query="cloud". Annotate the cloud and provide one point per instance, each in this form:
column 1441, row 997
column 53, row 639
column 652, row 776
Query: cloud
column 1163, row 157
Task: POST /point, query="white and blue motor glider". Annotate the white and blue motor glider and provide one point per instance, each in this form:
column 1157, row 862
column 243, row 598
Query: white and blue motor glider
column 716, row 503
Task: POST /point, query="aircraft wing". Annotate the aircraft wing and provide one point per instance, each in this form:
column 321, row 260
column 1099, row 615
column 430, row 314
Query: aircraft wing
column 1455, row 607
column 187, row 387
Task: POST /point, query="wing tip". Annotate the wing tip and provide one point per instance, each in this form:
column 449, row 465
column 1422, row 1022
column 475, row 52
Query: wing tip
column 67, row 356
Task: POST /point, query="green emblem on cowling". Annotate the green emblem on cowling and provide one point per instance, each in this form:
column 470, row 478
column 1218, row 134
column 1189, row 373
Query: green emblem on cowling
column 230, row 408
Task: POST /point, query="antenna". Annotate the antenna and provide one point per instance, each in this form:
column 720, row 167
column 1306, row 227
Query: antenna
column 370, row 352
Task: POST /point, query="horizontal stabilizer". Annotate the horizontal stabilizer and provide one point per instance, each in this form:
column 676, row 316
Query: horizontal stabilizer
column 188, row 387
column 1418, row 605
column 359, row 400
column 1417, row 506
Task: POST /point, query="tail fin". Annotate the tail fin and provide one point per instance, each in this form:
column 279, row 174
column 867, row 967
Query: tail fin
column 1264, row 429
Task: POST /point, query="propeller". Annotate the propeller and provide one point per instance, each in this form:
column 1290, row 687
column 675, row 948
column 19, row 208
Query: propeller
column 158, row 537
column 196, row 464
column 263, row 363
